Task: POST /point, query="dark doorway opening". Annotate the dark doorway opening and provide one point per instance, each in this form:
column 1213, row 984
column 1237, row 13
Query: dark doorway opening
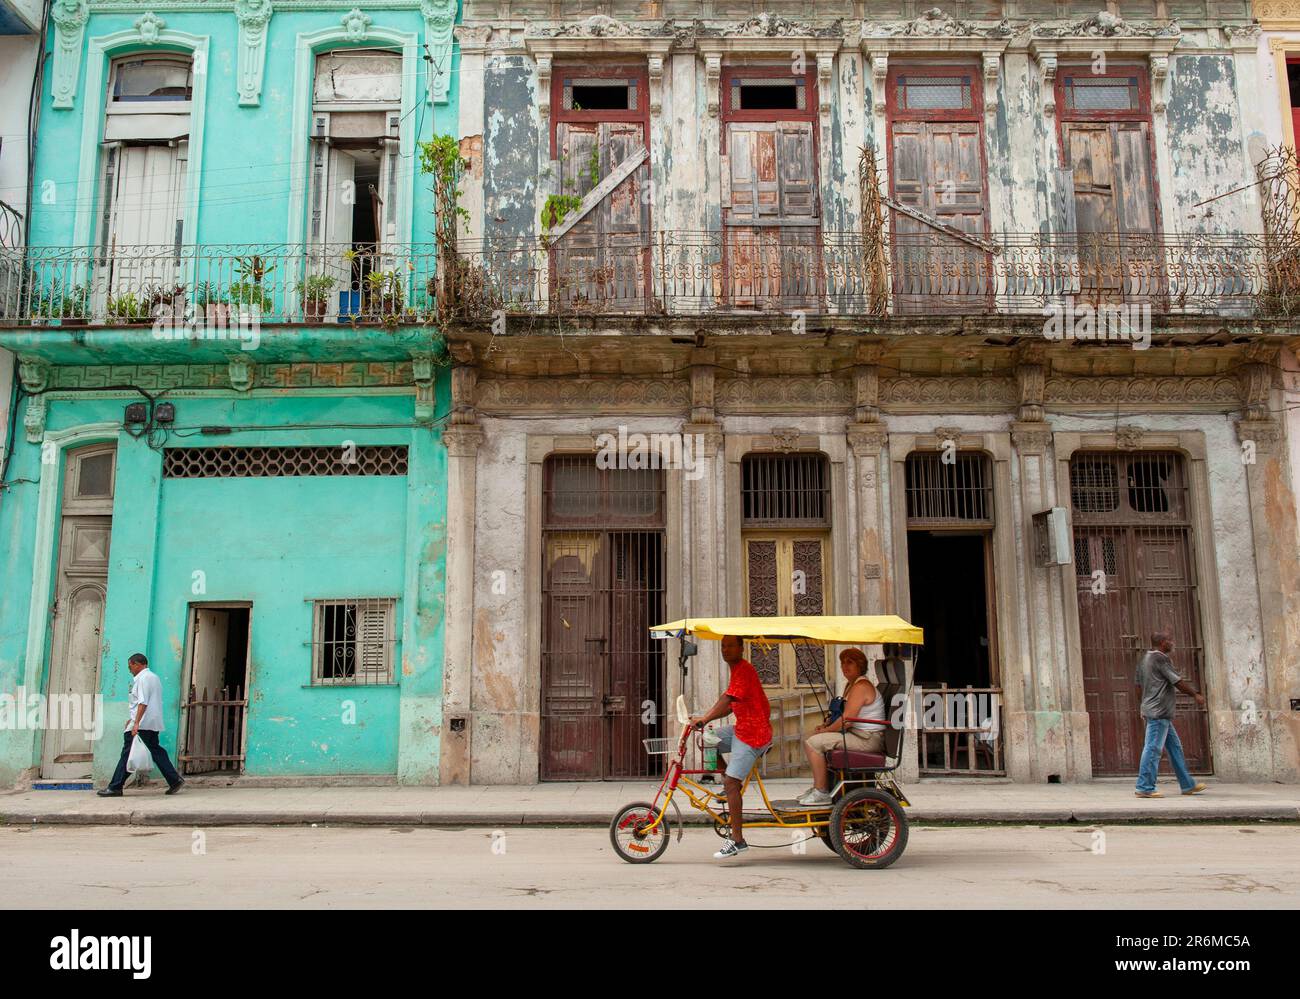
column 961, row 703
column 216, row 699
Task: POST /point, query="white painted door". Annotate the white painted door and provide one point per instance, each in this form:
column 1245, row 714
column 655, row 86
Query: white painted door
column 77, row 620
column 146, row 218
column 208, row 660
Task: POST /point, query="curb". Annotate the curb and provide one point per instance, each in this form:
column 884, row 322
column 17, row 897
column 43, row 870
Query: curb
column 981, row 816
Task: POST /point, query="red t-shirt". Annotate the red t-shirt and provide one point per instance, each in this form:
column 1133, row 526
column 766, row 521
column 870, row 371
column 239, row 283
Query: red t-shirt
column 753, row 724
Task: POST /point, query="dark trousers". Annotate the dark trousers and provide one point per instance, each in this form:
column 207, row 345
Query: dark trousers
column 160, row 760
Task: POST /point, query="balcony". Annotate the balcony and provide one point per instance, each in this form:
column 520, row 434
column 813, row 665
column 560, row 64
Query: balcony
column 756, row 271
column 745, row 272
column 216, row 286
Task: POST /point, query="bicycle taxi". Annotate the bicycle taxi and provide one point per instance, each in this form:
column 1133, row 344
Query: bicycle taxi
column 864, row 822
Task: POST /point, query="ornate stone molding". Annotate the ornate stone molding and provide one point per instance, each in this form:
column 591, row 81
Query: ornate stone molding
column 776, row 394
column 867, row 438
column 240, row 371
column 1265, row 435
column 439, row 17
column 603, row 26
column 1031, row 437
column 587, row 395
column 150, row 27
column 463, row 441
column 69, row 17
column 1104, row 24
column 423, row 369
column 305, row 375
column 774, row 26
column 703, row 380
column 544, row 67
column 944, row 434
column 879, row 77
column 656, row 75
column 357, row 24
column 936, row 23
column 1208, row 390
column 1047, row 81
column 925, row 393
column 1129, row 437
column 1159, row 83
column 713, row 83
column 786, row 439
column 33, row 374
column 710, row 432
column 254, row 17
column 34, row 419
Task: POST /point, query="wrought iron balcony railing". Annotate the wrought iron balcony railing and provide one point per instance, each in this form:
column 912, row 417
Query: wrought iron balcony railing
column 739, row 272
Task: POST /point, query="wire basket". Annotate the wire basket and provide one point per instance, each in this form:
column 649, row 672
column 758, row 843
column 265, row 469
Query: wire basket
column 659, row 747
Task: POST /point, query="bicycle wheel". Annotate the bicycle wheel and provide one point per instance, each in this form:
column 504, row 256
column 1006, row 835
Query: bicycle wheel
column 869, row 829
column 631, row 842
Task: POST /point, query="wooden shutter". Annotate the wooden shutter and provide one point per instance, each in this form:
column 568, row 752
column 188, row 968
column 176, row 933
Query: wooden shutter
column 1136, row 205
column 1088, row 145
column 373, row 619
column 797, row 187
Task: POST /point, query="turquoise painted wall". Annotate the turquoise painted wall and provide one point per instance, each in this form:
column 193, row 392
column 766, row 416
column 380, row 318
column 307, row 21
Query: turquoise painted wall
column 248, row 182
column 277, row 543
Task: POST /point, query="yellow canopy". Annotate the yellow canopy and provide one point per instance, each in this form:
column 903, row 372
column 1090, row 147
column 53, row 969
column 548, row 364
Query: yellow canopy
column 873, row 630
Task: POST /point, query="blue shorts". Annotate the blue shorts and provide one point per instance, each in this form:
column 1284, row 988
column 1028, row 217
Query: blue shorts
column 743, row 755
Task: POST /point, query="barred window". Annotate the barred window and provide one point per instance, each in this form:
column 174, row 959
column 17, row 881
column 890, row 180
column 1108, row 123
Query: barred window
column 1146, row 484
column 1102, row 93
column 785, row 490
column 271, row 462
column 353, row 641
column 933, row 93
column 939, row 492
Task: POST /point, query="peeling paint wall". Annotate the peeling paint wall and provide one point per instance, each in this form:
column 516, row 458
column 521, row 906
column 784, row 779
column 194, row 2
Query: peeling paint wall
column 510, row 151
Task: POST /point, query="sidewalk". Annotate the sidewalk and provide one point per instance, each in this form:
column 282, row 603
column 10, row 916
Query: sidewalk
column 596, row 803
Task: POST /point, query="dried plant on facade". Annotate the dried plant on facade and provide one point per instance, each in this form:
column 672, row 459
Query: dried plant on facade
column 875, row 261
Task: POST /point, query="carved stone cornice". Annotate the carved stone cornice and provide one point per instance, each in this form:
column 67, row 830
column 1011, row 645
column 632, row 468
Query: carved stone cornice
column 34, row 419
column 464, row 379
column 710, row 433
column 583, row 395
column 944, row 434
column 785, row 440
column 1104, row 24
column 935, row 23
column 765, row 394
column 287, row 375
column 1031, row 380
column 1146, row 391
column 929, row 393
column 703, row 380
column 866, row 393
column 254, row 17
column 357, row 24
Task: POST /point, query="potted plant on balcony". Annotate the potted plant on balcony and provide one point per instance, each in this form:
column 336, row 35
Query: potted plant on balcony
column 315, row 296
column 127, row 308
column 249, row 293
column 385, row 289
column 214, row 305
column 166, row 304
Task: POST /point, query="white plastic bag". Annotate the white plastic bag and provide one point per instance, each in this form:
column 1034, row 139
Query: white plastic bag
column 139, row 759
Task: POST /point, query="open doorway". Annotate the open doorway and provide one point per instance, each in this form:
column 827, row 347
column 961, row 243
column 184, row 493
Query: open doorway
column 950, row 520
column 216, row 702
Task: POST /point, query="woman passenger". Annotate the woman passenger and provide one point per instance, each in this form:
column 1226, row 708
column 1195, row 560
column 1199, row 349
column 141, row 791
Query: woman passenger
column 861, row 700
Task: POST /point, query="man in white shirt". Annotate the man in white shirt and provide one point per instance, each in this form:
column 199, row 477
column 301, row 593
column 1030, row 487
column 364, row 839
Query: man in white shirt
column 146, row 721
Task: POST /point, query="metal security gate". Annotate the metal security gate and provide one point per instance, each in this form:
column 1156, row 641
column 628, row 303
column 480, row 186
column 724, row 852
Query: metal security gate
column 1136, row 575
column 602, row 590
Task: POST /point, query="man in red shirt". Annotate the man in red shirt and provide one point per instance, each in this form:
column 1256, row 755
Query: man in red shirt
column 746, row 741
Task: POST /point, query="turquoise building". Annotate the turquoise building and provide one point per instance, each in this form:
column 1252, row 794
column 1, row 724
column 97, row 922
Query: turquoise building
column 232, row 391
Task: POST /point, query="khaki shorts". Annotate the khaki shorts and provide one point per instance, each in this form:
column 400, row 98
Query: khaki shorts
column 862, row 742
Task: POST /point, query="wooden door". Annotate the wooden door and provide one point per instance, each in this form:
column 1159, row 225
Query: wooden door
column 1135, row 576
column 574, row 646
column 773, row 242
column 786, row 575
column 77, row 620
column 603, row 260
column 937, row 167
column 1115, row 209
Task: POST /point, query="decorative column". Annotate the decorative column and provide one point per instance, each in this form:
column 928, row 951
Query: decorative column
column 254, row 17
column 867, row 438
column 462, row 438
column 439, row 15
column 704, row 582
column 1277, row 555
column 69, row 17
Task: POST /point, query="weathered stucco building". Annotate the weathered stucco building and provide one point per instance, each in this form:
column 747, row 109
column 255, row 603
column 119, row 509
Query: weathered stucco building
column 862, row 257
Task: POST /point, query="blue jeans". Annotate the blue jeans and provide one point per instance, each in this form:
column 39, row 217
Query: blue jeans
column 160, row 759
column 1162, row 737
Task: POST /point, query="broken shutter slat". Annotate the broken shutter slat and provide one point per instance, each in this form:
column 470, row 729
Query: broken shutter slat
column 598, row 193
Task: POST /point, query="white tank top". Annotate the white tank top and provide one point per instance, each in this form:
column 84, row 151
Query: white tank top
column 876, row 709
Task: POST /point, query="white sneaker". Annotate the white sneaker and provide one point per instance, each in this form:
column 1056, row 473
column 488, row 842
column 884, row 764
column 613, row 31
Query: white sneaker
column 815, row 797
column 731, row 850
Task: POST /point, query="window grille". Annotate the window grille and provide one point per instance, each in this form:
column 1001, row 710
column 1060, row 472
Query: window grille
column 1102, row 93
column 1142, row 486
column 579, row 493
column 956, row 492
column 785, row 490
column 934, row 93
column 272, row 462
column 353, row 641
